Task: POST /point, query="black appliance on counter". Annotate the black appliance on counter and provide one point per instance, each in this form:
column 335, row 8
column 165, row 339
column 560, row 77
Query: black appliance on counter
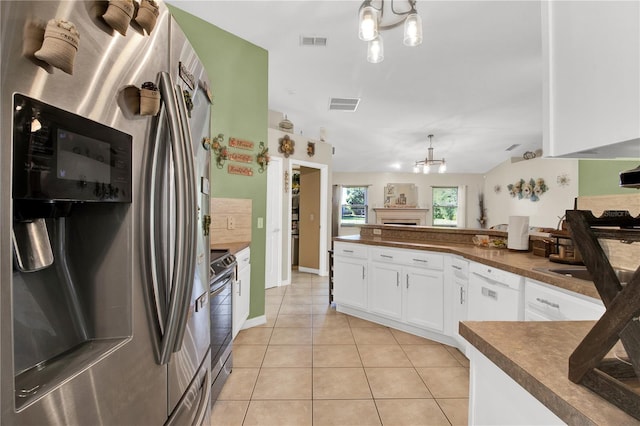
column 222, row 274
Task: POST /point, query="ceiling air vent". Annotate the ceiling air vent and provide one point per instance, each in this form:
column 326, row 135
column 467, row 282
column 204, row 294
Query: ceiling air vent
column 343, row 104
column 313, row 41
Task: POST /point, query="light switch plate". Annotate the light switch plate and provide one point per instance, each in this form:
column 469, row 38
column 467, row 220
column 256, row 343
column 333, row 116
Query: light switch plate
column 260, row 223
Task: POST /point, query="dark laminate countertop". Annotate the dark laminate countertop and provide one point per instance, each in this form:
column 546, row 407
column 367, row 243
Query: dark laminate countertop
column 536, row 356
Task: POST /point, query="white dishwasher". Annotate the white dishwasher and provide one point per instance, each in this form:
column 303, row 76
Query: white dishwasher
column 494, row 294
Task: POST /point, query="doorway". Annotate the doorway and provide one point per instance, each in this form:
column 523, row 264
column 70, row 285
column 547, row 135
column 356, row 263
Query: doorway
column 312, row 218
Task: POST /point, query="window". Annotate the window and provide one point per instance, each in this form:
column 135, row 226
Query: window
column 445, row 206
column 354, row 205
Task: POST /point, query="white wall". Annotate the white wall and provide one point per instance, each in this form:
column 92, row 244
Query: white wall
column 552, row 204
column 377, row 182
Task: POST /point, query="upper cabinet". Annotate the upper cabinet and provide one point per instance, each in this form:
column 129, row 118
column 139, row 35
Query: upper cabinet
column 591, row 78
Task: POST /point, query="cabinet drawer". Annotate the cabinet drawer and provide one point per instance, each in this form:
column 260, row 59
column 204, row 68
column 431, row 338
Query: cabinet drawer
column 423, row 259
column 359, row 251
column 560, row 306
column 386, row 255
column 243, row 257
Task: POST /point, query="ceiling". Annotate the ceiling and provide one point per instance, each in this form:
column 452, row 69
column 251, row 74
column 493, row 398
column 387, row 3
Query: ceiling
column 475, row 82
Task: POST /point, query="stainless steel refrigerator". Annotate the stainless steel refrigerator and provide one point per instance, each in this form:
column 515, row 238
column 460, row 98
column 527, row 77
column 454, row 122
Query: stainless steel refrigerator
column 104, row 218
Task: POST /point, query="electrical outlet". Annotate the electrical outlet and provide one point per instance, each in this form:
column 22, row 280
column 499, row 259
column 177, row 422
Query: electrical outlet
column 377, row 231
column 231, row 222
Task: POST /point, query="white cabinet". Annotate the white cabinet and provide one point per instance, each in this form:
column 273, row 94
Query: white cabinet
column 460, row 280
column 424, row 298
column 591, row 83
column 497, row 399
column 386, row 292
column 411, row 294
column 350, row 274
column 544, row 303
column 242, row 290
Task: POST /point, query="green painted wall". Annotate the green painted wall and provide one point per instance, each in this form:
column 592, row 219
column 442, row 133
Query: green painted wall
column 238, row 71
column 600, row 177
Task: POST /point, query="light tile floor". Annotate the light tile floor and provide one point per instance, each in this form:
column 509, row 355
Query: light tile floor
column 311, row 365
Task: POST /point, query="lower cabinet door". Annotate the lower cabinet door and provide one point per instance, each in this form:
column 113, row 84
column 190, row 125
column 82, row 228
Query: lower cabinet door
column 424, row 298
column 386, row 290
column 349, row 282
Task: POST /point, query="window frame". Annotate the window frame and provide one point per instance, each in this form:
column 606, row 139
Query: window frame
column 343, row 203
column 434, row 206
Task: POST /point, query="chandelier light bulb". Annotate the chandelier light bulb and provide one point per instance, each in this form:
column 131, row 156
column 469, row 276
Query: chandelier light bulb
column 413, row 30
column 375, row 53
column 416, row 169
column 443, row 167
column 368, row 23
column 426, row 169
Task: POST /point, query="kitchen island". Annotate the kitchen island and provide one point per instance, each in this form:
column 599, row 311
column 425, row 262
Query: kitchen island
column 535, row 355
column 532, row 356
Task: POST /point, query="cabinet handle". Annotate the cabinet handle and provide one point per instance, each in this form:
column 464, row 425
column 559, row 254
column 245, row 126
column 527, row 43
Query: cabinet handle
column 407, row 280
column 397, row 279
column 461, row 297
column 347, row 251
column 240, row 288
column 546, row 302
column 386, row 256
column 420, row 260
column 456, row 267
column 363, row 272
column 489, row 293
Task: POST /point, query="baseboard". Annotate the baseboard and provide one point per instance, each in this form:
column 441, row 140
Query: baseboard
column 254, row 322
column 308, row 270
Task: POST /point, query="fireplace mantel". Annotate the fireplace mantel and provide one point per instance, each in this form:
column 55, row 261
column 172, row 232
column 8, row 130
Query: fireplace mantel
column 403, row 216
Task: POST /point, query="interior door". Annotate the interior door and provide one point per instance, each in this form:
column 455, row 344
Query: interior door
column 273, row 273
column 309, row 224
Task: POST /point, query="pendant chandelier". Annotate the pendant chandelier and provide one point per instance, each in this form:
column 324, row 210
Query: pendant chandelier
column 372, row 21
column 425, row 165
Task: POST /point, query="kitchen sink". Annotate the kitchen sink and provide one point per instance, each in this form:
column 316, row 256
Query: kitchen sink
column 581, row 272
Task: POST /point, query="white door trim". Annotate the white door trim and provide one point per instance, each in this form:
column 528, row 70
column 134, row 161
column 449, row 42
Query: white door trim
column 324, row 224
column 274, row 221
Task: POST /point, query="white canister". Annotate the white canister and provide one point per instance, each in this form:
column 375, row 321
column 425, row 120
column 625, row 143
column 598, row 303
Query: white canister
column 518, row 233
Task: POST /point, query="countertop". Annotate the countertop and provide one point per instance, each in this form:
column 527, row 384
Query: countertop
column 234, row 248
column 536, row 356
column 519, row 262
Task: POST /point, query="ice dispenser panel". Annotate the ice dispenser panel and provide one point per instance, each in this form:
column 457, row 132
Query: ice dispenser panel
column 72, row 235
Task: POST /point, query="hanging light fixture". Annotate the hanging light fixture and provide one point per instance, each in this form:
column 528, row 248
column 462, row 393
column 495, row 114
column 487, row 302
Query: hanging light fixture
column 425, row 165
column 371, row 22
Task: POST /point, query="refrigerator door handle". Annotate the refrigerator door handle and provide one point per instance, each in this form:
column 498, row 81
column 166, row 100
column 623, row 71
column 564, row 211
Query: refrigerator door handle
column 175, row 305
column 204, row 402
column 191, row 226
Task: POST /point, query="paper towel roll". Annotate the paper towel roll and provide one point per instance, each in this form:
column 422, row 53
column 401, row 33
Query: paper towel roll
column 518, row 233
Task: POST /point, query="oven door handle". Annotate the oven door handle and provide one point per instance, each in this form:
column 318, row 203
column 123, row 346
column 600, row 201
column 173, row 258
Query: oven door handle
column 219, row 287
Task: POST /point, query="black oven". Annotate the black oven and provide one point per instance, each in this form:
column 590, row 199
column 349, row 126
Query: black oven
column 222, row 275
